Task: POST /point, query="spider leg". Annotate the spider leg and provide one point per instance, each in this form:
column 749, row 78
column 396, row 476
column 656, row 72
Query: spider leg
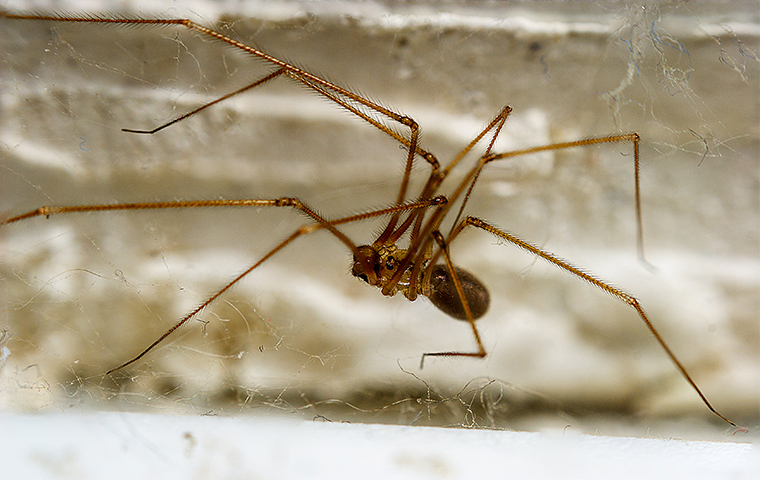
column 481, row 353
column 624, row 297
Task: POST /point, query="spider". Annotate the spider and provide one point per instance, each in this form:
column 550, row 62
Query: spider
column 411, row 254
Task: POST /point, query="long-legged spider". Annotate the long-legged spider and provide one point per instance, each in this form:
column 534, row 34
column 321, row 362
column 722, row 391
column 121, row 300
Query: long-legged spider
column 422, row 266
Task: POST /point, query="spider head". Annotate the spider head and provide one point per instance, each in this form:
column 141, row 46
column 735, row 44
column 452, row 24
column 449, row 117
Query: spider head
column 378, row 264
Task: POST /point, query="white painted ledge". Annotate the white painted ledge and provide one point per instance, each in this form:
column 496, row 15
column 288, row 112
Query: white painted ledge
column 127, row 445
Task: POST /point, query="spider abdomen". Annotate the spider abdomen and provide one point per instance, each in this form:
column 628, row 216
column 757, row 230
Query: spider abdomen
column 444, row 293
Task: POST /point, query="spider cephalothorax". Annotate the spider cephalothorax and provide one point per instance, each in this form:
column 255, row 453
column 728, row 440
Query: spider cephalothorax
column 383, row 261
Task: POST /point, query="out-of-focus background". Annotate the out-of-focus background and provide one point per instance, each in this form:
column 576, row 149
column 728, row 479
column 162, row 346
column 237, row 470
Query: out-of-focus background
column 300, row 336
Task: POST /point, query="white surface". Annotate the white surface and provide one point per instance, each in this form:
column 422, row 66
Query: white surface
column 121, row 445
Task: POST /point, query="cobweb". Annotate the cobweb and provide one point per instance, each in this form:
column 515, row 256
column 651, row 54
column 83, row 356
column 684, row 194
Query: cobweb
column 300, row 336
